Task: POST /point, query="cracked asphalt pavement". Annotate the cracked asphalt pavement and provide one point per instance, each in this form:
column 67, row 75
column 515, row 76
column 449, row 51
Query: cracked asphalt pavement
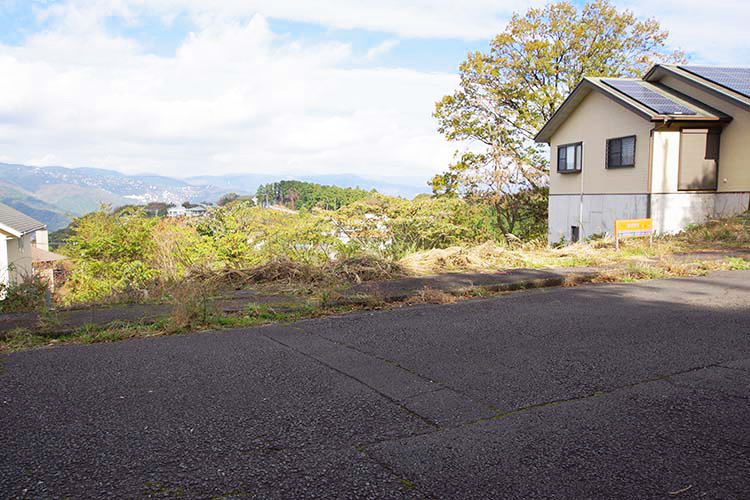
column 604, row 391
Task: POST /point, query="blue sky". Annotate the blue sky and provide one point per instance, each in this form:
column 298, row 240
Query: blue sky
column 188, row 87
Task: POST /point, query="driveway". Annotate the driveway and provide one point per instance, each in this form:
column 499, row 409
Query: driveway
column 605, row 391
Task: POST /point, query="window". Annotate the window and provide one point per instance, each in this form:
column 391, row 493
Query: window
column 699, row 159
column 569, row 158
column 621, row 152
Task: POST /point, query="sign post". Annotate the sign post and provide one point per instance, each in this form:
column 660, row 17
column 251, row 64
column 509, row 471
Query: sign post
column 633, row 228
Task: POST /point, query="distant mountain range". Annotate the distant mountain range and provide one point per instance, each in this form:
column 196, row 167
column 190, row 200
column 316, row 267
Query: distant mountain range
column 54, row 195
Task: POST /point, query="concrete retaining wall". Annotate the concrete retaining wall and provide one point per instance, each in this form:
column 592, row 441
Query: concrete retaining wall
column 599, row 213
column 671, row 212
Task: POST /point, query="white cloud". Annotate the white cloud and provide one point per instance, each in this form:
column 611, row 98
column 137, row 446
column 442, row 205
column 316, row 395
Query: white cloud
column 714, row 33
column 382, row 48
column 468, row 19
column 233, row 98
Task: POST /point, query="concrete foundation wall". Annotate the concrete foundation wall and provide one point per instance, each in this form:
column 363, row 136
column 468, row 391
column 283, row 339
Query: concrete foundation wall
column 599, row 213
column 672, row 212
column 731, row 204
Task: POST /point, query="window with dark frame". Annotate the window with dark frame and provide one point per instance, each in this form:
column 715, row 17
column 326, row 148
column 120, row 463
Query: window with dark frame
column 621, row 152
column 569, row 158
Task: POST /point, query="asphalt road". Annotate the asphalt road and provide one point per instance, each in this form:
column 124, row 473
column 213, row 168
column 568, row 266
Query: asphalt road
column 611, row 391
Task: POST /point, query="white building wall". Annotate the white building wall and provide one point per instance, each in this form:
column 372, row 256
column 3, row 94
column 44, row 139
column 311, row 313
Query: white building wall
column 665, row 163
column 19, row 258
column 41, row 239
column 4, row 275
column 599, row 213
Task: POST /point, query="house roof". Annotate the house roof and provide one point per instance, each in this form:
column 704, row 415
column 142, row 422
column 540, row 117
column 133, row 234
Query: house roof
column 650, row 100
column 653, row 102
column 17, row 224
column 729, row 84
column 41, row 255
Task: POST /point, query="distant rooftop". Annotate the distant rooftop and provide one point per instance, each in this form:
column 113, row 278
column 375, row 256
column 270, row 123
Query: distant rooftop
column 41, row 255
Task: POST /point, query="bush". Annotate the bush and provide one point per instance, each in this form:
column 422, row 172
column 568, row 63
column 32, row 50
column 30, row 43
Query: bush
column 112, row 255
column 26, row 295
column 394, row 227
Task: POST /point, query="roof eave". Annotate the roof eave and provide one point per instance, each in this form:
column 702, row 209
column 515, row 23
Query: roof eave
column 547, row 131
column 9, row 230
column 39, row 228
column 691, row 118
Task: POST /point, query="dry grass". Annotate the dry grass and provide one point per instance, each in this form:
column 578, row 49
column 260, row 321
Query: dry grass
column 491, row 256
column 668, row 268
column 431, row 296
column 731, row 231
column 365, row 268
column 350, row 270
column 192, row 302
column 487, row 256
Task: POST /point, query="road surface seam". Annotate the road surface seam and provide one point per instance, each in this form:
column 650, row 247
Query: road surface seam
column 396, row 364
column 595, row 394
column 390, row 469
column 599, row 393
column 426, row 420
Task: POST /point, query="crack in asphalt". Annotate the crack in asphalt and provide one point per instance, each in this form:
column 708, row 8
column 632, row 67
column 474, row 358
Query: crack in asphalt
column 396, row 364
column 392, row 471
column 424, row 419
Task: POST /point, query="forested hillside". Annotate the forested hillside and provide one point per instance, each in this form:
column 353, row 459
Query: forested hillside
column 298, row 195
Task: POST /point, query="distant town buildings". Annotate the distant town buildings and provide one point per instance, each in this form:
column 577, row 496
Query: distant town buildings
column 197, row 211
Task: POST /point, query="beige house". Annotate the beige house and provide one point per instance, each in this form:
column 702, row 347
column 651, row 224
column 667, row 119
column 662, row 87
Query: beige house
column 673, row 146
column 16, row 233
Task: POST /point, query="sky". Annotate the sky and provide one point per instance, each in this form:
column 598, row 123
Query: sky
column 287, row 87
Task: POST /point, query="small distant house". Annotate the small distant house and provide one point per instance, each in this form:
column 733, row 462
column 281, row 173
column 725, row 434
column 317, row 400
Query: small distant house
column 16, row 233
column 673, row 146
column 197, row 211
column 176, row 212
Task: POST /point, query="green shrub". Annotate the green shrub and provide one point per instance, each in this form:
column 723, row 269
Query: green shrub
column 111, row 254
column 25, row 295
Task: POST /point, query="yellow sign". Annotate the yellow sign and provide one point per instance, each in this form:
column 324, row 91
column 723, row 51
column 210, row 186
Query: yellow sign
column 633, row 228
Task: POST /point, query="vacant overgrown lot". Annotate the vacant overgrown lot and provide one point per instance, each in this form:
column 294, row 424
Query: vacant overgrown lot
column 198, row 273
